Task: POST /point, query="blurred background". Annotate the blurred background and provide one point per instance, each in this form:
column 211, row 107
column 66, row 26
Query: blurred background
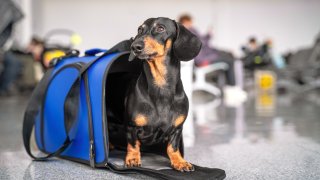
column 254, row 87
column 291, row 23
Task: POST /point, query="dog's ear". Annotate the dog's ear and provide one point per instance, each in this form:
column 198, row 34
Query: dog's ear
column 186, row 45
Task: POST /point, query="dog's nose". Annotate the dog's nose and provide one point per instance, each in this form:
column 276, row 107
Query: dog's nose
column 137, row 47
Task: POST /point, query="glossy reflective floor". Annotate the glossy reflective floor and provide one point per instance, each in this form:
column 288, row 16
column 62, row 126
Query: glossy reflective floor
column 267, row 137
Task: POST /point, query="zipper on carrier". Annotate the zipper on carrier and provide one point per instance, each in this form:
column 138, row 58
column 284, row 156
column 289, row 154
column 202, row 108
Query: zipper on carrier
column 91, row 134
column 92, row 154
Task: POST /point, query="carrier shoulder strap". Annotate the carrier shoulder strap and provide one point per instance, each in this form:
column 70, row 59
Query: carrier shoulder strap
column 35, row 106
column 32, row 111
column 35, row 103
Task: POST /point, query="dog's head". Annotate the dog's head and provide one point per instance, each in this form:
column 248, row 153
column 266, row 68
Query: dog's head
column 158, row 36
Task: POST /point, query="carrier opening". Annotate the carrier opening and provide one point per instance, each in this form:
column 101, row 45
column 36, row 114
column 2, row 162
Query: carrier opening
column 121, row 75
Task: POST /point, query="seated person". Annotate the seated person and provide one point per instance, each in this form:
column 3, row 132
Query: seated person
column 16, row 62
column 209, row 55
column 255, row 55
column 252, row 46
column 11, row 69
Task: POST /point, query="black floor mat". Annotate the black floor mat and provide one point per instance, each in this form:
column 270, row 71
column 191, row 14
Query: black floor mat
column 159, row 167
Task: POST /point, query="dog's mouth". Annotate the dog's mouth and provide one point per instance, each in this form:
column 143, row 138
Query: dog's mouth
column 145, row 56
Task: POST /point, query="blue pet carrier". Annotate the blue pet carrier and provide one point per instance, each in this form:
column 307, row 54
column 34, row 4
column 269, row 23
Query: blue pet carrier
column 76, row 110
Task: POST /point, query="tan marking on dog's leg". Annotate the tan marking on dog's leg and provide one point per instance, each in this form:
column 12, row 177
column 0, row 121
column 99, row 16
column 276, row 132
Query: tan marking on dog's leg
column 179, row 120
column 133, row 157
column 177, row 161
column 141, row 120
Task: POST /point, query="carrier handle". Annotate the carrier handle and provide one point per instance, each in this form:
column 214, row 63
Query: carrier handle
column 94, row 51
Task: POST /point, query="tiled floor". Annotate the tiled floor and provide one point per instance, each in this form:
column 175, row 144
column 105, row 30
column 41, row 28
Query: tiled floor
column 265, row 138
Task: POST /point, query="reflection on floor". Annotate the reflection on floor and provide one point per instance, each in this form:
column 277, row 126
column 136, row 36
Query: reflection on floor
column 265, row 138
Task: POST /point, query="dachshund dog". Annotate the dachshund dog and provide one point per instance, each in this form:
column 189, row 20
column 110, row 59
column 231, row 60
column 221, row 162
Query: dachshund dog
column 156, row 106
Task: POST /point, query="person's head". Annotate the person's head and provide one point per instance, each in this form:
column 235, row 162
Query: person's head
column 36, row 47
column 252, row 40
column 185, row 20
column 36, row 41
column 268, row 42
column 252, row 43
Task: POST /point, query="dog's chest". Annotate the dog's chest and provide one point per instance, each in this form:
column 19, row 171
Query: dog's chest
column 155, row 132
column 160, row 125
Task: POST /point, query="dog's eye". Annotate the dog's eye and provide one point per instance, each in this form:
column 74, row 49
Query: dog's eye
column 140, row 30
column 160, row 29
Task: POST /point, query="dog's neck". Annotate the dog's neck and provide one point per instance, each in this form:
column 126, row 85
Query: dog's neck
column 161, row 75
column 162, row 72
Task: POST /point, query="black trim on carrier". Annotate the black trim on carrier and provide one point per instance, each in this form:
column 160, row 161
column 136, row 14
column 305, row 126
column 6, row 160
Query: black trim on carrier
column 104, row 114
column 82, row 67
column 34, row 108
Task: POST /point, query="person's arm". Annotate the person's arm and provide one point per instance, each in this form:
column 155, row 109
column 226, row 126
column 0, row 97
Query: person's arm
column 206, row 39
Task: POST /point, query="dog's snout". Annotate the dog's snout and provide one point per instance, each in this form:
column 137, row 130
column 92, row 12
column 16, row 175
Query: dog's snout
column 137, row 47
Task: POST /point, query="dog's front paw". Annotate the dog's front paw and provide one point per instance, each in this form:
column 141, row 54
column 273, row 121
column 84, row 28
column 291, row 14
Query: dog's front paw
column 133, row 158
column 177, row 161
column 182, row 166
column 133, row 161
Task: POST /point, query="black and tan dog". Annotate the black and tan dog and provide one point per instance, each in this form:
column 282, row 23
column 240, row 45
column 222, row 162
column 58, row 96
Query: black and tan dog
column 156, row 105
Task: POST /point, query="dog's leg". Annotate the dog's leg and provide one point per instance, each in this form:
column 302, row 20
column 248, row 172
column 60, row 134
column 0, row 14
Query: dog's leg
column 177, row 161
column 133, row 157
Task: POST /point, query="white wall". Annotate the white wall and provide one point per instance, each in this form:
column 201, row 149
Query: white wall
column 291, row 24
column 23, row 28
column 102, row 23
